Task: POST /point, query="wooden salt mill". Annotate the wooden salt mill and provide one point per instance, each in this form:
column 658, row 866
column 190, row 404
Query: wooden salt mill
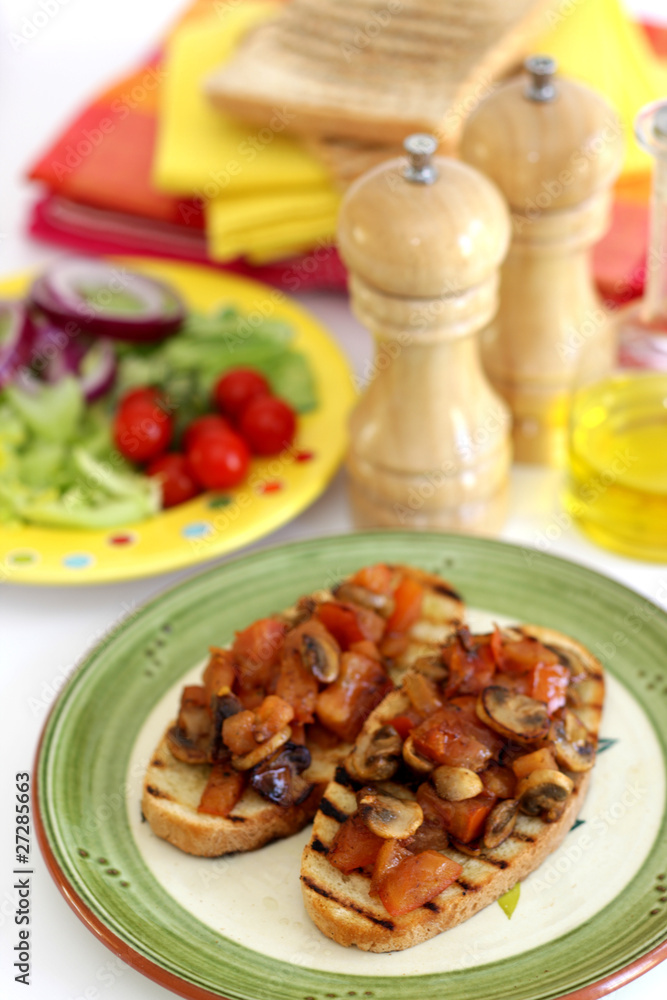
column 554, row 148
column 430, row 439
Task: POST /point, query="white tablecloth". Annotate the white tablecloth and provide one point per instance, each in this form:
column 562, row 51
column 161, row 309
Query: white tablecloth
column 45, row 630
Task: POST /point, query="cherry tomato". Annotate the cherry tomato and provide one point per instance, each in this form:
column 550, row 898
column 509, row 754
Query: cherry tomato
column 142, row 427
column 178, row 482
column 219, row 459
column 234, row 390
column 202, row 425
column 268, row 425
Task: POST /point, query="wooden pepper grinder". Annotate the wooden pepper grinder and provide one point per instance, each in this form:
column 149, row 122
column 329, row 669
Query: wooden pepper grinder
column 554, row 148
column 430, row 439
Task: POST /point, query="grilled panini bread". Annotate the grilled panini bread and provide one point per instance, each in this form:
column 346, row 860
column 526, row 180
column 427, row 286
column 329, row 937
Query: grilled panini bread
column 255, row 745
column 357, row 70
column 431, row 820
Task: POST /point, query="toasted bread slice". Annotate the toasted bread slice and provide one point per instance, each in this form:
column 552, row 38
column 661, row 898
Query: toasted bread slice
column 173, row 788
column 355, row 71
column 341, row 905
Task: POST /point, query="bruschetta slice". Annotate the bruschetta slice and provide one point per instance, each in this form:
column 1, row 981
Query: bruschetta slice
column 256, row 743
column 459, row 785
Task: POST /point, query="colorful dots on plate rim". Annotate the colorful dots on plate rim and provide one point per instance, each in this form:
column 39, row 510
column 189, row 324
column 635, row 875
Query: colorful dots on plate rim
column 122, row 539
column 20, row 558
column 197, row 529
column 78, row 560
column 271, row 486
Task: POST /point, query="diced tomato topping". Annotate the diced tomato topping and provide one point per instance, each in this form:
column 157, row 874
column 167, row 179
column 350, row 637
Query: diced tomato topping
column 448, row 738
column 244, row 731
column 416, row 881
column 464, row 820
column 298, row 733
column 392, row 647
column 538, row 760
column 377, row 579
column 403, row 725
column 390, row 855
column 467, row 706
column 350, row 623
column 219, row 672
column 238, row 732
column 366, row 648
column 549, row 682
column 496, row 644
column 423, row 693
column 257, row 650
column 499, row 781
column 408, row 598
column 272, row 715
column 521, row 655
column 223, row 790
column 471, row 665
column 354, row 846
column 344, row 705
column 298, row 687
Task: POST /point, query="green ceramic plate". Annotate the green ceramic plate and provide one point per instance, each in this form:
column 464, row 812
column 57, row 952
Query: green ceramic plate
column 591, row 918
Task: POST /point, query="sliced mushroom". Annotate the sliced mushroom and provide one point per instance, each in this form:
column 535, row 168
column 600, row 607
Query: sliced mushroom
column 513, row 715
column 190, row 738
column 433, row 667
column 543, row 791
column 398, row 791
column 383, row 604
column 414, row 759
column 303, row 611
column 265, row 750
column 388, row 817
column 456, row 783
column 319, row 651
column 473, row 850
column 223, row 705
column 184, row 749
column 321, row 656
column 500, row 822
column 572, row 745
column 376, row 755
column 280, row 779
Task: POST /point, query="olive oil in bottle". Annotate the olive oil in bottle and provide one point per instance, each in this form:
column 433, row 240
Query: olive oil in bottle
column 617, row 488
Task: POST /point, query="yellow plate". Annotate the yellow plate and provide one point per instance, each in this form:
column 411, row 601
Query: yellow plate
column 276, row 490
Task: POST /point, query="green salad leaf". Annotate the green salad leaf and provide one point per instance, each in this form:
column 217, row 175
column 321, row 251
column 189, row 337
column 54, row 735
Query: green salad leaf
column 207, row 346
column 58, row 466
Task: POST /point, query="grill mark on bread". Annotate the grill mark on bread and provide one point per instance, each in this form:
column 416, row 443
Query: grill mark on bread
column 467, row 886
column 158, row 763
column 347, row 903
column 433, row 907
column 342, row 778
column 237, row 819
column 496, row 862
column 318, row 846
column 156, row 793
column 526, row 838
column 333, row 812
